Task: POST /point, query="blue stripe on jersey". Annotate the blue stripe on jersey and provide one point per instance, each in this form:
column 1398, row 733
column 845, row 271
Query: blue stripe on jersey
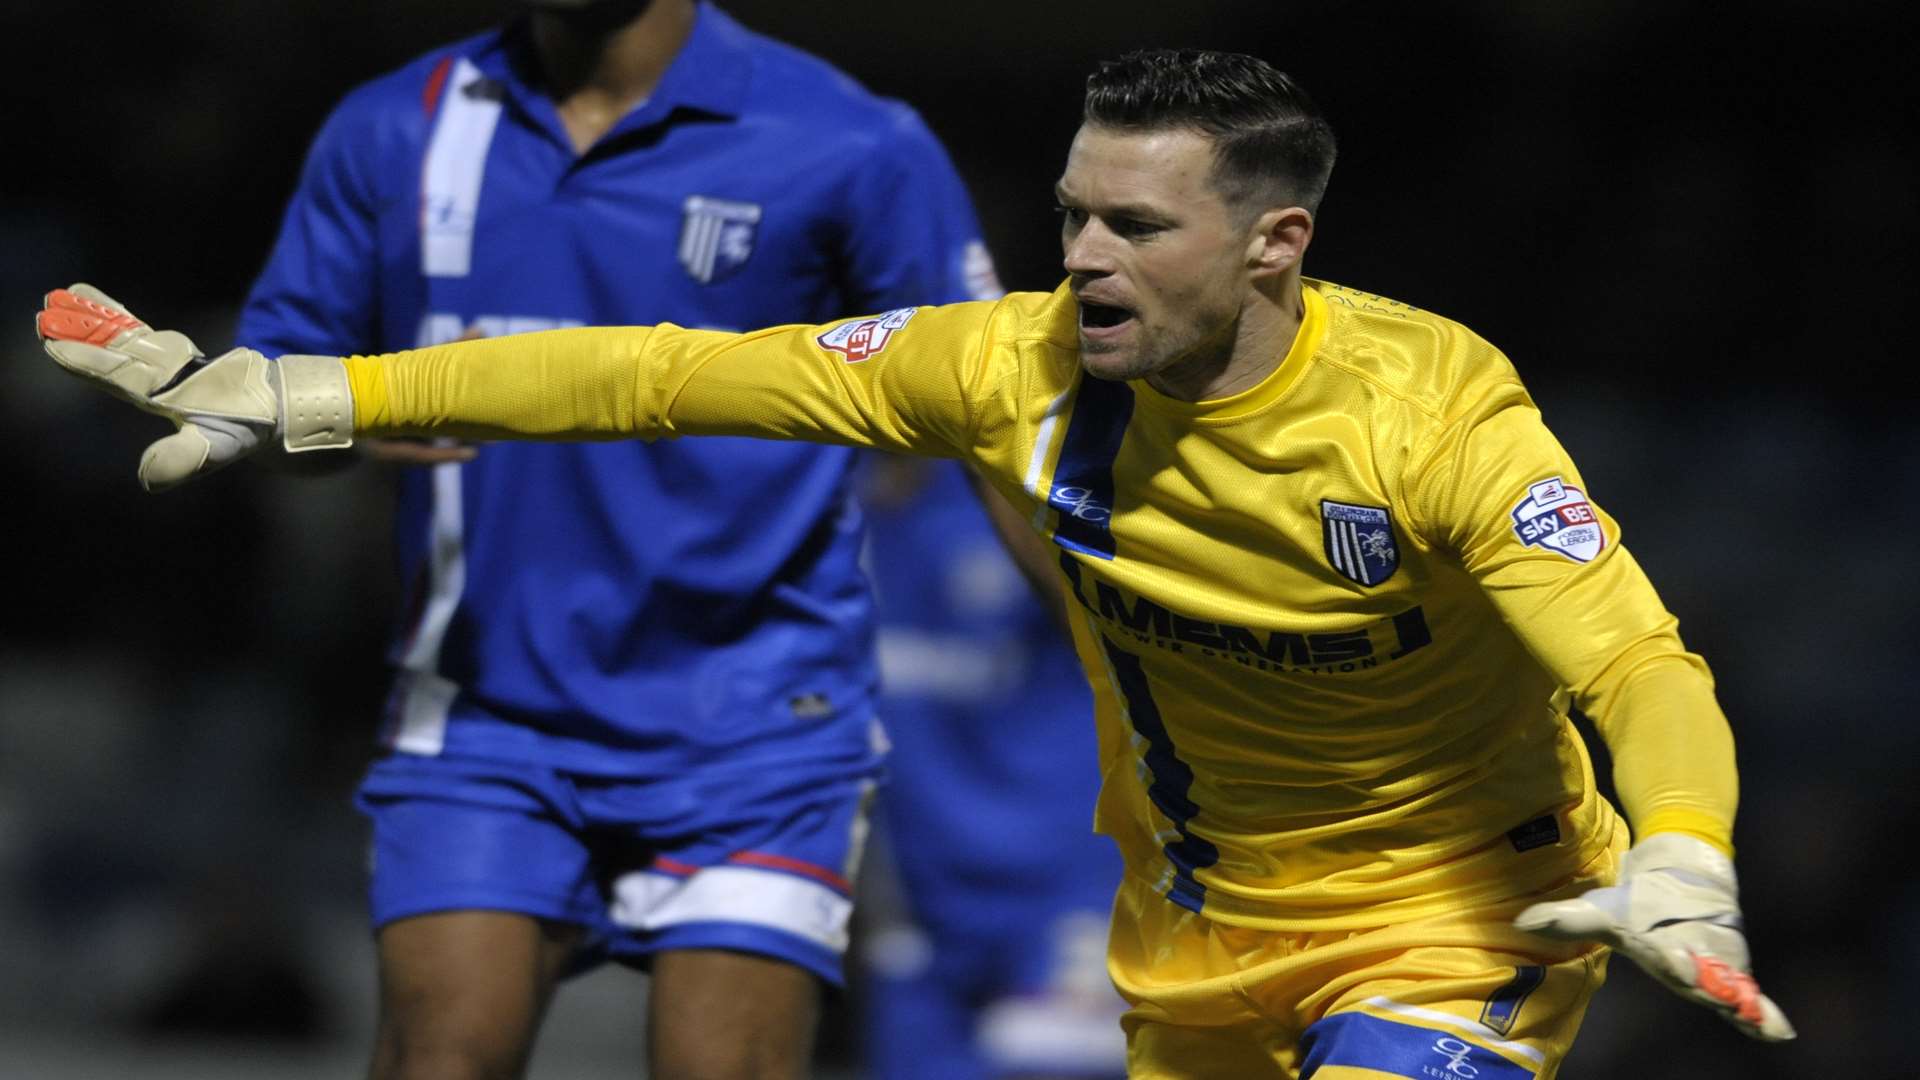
column 1503, row 1008
column 1363, row 1041
column 1083, row 479
column 1172, row 779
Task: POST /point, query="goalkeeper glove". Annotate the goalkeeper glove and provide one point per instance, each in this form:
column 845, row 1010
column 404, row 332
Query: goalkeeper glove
column 1676, row 913
column 224, row 408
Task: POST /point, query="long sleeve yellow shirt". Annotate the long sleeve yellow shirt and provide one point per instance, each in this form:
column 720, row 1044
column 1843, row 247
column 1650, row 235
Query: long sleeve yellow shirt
column 1333, row 623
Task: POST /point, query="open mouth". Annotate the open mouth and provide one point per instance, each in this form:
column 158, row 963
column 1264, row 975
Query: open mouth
column 1101, row 316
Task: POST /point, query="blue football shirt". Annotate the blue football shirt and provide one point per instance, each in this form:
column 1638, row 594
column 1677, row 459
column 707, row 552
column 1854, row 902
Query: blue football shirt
column 651, row 610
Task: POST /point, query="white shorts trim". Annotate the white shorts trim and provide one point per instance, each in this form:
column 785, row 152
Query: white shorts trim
column 649, row 900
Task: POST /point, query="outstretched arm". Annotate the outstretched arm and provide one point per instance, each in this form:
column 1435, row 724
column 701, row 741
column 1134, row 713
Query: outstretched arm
column 915, row 380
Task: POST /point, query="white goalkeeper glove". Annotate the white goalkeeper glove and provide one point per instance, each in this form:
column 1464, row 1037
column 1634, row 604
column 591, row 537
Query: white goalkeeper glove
column 224, row 408
column 1676, row 913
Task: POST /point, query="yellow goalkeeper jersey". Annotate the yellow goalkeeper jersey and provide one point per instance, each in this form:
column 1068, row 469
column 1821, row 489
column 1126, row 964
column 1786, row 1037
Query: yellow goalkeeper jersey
column 1333, row 623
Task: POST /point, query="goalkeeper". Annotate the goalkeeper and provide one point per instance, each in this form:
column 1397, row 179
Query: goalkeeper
column 1334, row 583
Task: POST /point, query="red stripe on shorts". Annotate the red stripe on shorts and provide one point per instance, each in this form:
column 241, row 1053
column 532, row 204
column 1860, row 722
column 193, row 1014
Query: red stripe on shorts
column 791, row 866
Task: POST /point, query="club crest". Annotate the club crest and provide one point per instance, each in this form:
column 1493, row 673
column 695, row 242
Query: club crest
column 1557, row 517
column 716, row 237
column 1359, row 541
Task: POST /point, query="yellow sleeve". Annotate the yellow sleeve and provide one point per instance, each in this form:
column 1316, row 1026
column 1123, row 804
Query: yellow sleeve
column 1497, row 489
column 913, row 380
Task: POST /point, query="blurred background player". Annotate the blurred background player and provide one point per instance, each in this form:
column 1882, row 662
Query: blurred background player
column 632, row 715
column 987, row 902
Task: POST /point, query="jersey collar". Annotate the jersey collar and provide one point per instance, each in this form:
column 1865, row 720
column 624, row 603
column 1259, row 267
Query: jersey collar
column 709, row 75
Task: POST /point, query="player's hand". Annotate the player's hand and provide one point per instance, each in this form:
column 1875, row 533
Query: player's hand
column 223, row 409
column 1676, row 913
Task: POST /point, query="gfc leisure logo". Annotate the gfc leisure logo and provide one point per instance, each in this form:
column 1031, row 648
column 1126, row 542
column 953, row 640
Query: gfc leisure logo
column 1081, row 503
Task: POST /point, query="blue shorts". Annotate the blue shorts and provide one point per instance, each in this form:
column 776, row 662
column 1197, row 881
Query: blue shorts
column 713, row 863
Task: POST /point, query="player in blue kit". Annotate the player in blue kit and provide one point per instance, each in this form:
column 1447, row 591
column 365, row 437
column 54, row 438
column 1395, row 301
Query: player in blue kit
column 633, row 712
column 989, row 960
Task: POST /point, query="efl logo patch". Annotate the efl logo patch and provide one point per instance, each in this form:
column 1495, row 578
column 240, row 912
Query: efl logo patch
column 1359, row 541
column 716, row 237
column 862, row 338
column 1558, row 518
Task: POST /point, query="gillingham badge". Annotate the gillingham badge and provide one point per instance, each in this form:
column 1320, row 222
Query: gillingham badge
column 716, row 237
column 1556, row 517
column 1359, row 541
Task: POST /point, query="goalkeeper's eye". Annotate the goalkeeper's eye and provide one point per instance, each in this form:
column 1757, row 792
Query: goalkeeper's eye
column 1073, row 215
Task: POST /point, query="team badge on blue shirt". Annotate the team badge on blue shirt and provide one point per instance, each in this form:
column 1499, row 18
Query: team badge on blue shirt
column 716, row 237
column 1359, row 541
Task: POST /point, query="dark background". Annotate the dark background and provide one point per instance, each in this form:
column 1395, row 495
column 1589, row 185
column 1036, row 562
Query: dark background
column 1691, row 226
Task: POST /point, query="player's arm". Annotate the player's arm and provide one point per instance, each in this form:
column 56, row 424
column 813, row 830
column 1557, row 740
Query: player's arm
column 914, row 381
column 1495, row 487
column 1498, row 489
column 908, row 391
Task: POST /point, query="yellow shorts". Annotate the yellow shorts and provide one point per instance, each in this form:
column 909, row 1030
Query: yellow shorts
column 1462, row 996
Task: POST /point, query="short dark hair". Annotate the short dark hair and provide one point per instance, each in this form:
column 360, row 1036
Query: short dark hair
column 1268, row 138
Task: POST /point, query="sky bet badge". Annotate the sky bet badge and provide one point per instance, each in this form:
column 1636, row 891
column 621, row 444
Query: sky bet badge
column 1359, row 541
column 1558, row 517
column 716, row 237
column 861, row 338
